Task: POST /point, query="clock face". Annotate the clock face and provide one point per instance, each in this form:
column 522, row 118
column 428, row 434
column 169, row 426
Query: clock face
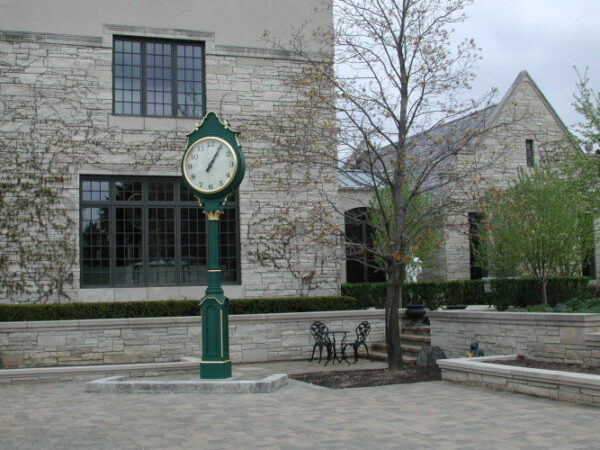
column 209, row 165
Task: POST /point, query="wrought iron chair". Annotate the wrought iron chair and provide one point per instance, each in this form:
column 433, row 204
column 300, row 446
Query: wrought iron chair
column 362, row 331
column 319, row 332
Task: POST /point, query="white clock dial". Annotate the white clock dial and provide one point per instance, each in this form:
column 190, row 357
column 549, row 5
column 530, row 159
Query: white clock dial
column 210, row 164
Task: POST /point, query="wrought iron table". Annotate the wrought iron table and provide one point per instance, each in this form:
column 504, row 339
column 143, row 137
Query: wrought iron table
column 334, row 345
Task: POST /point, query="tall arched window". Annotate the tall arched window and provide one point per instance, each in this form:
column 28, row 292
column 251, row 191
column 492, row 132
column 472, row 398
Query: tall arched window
column 360, row 264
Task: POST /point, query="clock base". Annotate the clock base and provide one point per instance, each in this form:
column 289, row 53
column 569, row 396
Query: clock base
column 215, row 370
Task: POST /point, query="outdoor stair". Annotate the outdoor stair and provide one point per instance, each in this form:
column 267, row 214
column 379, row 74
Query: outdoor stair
column 413, row 338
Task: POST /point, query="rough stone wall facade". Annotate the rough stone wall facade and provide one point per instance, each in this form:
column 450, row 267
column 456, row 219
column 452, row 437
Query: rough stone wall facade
column 491, row 160
column 56, row 124
column 252, row 338
column 523, row 114
column 547, row 336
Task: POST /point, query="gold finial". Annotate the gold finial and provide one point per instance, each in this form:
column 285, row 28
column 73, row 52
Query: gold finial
column 213, row 215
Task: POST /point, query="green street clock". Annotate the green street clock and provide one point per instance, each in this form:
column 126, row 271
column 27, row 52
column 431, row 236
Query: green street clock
column 213, row 166
column 210, row 165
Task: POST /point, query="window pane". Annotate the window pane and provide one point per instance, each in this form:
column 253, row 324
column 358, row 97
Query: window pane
column 128, row 191
column 158, row 80
column 95, row 260
column 130, row 239
column 127, row 71
column 161, row 191
column 185, row 194
column 129, row 268
column 189, row 71
column 160, row 59
column 161, row 247
column 94, row 191
column 228, row 241
column 193, row 246
column 360, row 263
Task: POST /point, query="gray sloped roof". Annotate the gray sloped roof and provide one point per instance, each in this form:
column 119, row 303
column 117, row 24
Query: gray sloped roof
column 447, row 136
column 457, row 130
column 354, row 179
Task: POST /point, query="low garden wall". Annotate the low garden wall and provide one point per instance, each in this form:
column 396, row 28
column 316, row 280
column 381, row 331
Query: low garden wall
column 570, row 338
column 252, row 337
column 567, row 386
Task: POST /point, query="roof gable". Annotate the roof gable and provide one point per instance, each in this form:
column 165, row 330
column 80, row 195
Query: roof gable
column 524, row 77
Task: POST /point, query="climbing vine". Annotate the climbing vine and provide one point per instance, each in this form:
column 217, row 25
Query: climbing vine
column 54, row 125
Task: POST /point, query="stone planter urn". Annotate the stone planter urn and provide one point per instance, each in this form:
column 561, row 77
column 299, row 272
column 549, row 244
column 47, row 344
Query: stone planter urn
column 415, row 313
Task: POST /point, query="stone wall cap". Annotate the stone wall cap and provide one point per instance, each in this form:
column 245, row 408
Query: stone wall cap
column 572, row 319
column 480, row 365
column 138, row 322
column 312, row 315
column 142, row 322
column 103, row 368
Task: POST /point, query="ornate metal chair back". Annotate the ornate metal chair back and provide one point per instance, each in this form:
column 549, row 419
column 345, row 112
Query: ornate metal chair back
column 362, row 331
column 319, row 331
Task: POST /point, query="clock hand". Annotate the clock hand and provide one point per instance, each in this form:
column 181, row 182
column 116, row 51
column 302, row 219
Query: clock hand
column 212, row 161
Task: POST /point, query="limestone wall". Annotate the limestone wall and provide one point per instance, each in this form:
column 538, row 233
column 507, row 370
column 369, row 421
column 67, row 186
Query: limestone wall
column 543, row 336
column 57, row 124
column 235, row 22
column 523, row 114
column 253, row 338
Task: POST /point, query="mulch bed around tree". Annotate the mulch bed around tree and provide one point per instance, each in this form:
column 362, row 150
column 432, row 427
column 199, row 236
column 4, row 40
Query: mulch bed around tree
column 369, row 377
column 524, row 362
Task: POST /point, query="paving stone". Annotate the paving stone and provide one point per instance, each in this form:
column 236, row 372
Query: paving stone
column 430, row 415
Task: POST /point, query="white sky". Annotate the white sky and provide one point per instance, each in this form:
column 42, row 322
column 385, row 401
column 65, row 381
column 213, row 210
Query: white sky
column 545, row 37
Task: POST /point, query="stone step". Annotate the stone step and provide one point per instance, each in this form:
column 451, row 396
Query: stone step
column 421, row 329
column 407, row 345
column 408, row 349
column 382, row 356
column 377, row 355
column 416, row 338
column 377, row 346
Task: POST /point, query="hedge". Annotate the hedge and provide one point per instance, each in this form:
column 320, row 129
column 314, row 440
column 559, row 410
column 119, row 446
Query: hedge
column 522, row 292
column 504, row 292
column 432, row 294
column 574, row 305
column 169, row 308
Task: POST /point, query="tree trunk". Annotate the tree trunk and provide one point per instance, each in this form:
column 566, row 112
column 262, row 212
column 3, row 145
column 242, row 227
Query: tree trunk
column 392, row 325
column 545, row 291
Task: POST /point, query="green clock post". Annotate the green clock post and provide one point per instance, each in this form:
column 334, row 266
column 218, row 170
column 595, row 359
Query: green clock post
column 213, row 166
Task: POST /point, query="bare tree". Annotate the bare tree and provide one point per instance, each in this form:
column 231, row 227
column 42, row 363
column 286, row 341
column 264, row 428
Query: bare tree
column 388, row 102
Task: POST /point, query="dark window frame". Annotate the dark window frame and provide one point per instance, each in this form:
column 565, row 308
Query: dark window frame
column 529, row 152
column 112, row 204
column 359, row 268
column 475, row 222
column 143, row 90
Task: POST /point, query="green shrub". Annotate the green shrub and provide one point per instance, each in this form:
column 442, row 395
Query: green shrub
column 432, row 294
column 168, row 308
column 523, row 292
column 566, row 288
column 292, row 304
column 369, row 295
column 574, row 305
column 505, row 292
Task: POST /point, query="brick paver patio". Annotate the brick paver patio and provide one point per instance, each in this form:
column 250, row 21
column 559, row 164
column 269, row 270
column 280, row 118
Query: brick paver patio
column 424, row 415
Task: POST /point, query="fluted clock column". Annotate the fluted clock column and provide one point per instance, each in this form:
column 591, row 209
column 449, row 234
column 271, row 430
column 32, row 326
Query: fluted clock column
column 214, row 309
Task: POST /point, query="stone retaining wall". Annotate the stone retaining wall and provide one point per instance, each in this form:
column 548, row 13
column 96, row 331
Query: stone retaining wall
column 543, row 336
column 253, row 338
column 566, row 386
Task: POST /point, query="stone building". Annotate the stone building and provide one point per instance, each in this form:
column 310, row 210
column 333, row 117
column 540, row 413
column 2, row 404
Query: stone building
column 96, row 99
column 518, row 132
